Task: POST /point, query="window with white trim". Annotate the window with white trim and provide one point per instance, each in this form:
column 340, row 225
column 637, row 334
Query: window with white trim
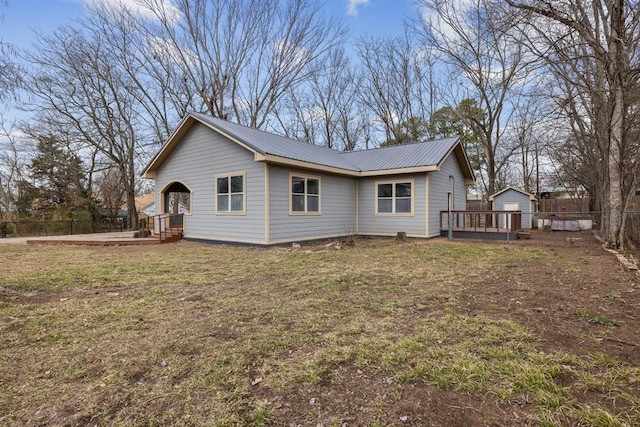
column 230, row 193
column 305, row 194
column 394, row 198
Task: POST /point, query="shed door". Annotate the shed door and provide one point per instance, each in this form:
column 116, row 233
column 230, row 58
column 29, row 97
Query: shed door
column 509, row 206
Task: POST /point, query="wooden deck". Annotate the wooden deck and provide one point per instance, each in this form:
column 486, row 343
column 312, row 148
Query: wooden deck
column 164, row 228
column 491, row 225
column 96, row 239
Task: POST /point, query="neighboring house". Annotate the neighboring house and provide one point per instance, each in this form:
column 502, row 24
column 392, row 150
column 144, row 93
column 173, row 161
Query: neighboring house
column 254, row 187
column 563, row 192
column 145, row 205
column 513, row 199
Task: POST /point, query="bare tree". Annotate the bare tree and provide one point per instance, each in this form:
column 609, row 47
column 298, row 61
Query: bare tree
column 397, row 83
column 9, row 69
column 489, row 63
column 236, row 59
column 13, row 161
column 593, row 49
column 110, row 190
column 325, row 110
column 78, row 91
column 139, row 58
column 530, row 134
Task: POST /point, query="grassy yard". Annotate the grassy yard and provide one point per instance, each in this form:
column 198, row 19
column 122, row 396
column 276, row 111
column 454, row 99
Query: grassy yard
column 382, row 333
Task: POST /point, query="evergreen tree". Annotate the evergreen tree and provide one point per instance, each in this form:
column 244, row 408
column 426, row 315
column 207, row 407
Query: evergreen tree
column 62, row 180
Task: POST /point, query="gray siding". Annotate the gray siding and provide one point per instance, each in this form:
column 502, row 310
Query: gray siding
column 337, row 207
column 526, row 205
column 439, row 185
column 201, row 155
column 371, row 224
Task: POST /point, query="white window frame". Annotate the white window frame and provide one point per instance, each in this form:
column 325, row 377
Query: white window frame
column 393, row 197
column 229, row 175
column 306, row 195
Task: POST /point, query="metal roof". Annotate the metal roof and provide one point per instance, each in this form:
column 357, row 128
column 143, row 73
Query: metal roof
column 429, row 153
column 279, row 149
column 268, row 143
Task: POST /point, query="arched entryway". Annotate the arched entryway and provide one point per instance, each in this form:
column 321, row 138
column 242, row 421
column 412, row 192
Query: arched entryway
column 176, row 198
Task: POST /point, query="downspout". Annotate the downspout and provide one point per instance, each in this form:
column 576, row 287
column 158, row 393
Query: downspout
column 357, row 230
column 267, row 220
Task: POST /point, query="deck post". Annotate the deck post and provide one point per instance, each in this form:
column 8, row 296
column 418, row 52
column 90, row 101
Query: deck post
column 452, row 203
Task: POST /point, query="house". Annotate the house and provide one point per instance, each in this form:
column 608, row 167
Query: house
column 513, row 199
column 249, row 186
column 563, row 192
column 145, row 205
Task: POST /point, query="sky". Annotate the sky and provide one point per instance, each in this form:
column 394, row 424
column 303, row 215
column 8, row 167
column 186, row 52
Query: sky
column 22, row 18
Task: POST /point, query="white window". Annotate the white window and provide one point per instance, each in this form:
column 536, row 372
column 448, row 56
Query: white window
column 231, row 193
column 304, row 195
column 394, row 197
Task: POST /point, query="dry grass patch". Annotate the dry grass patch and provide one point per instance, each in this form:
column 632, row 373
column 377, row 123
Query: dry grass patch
column 191, row 334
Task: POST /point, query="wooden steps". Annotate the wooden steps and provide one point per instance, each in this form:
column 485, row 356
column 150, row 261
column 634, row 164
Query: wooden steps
column 171, row 235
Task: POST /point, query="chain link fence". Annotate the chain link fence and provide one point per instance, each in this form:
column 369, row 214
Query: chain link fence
column 633, row 228
column 56, row 228
column 578, row 209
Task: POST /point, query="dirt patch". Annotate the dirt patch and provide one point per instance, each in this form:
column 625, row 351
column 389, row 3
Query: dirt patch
column 560, row 298
column 353, row 398
column 586, row 303
column 17, row 296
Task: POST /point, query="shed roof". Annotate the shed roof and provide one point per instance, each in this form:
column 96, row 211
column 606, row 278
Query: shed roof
column 268, row 147
column 531, row 196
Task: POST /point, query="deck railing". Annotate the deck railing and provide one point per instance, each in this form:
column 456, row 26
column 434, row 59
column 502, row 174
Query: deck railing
column 168, row 227
column 481, row 221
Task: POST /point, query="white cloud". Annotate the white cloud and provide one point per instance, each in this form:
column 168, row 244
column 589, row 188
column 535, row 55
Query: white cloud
column 353, row 5
column 148, row 9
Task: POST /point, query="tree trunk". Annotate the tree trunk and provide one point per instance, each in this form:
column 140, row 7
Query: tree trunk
column 615, row 67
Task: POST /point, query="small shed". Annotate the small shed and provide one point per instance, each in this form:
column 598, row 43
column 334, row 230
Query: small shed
column 513, row 199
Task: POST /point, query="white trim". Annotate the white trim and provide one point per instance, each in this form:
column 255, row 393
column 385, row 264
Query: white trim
column 357, row 224
column 400, row 171
column 289, row 190
column 393, row 183
column 532, row 197
column 426, row 204
column 283, row 161
column 229, row 175
column 267, row 208
column 161, row 195
column 513, row 203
